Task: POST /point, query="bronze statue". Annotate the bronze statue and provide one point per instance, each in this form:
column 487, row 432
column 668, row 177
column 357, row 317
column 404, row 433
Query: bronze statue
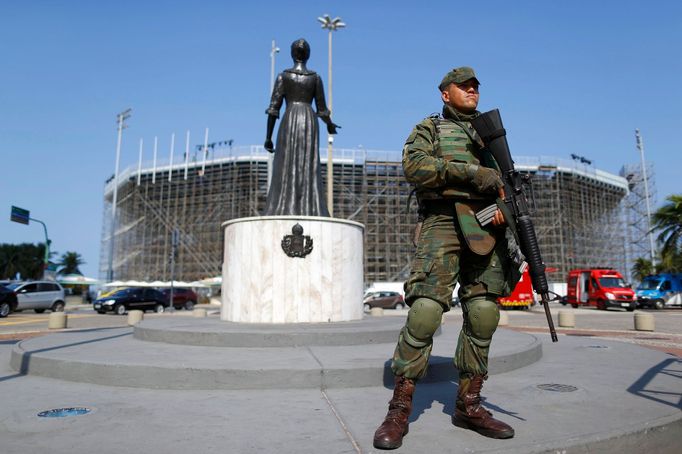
column 296, row 185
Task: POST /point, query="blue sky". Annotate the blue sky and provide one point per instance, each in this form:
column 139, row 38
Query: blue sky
column 569, row 77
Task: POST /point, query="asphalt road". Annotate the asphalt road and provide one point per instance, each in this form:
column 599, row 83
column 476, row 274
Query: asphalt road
column 613, row 324
column 28, row 323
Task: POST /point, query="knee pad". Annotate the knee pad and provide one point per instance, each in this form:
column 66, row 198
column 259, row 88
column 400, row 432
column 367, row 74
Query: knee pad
column 422, row 321
column 483, row 316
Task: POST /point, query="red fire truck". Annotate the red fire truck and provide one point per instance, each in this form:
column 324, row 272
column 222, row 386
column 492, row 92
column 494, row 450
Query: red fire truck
column 600, row 287
column 522, row 296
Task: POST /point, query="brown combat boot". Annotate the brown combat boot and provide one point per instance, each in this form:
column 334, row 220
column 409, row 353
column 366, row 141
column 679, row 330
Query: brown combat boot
column 390, row 433
column 469, row 414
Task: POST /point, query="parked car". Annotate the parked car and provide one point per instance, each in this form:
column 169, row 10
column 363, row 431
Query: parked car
column 39, row 296
column 141, row 298
column 8, row 301
column 385, row 300
column 183, row 298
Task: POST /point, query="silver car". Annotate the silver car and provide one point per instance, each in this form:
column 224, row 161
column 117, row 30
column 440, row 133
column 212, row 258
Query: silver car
column 39, row 296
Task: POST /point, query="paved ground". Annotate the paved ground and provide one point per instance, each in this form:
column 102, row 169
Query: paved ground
column 628, row 399
column 625, row 399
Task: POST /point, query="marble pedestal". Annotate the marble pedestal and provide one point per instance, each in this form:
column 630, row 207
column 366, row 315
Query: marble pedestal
column 262, row 284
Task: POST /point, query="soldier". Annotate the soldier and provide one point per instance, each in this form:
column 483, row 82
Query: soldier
column 454, row 177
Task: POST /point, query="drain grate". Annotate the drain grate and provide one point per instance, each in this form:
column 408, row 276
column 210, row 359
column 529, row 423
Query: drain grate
column 596, row 346
column 558, row 388
column 64, row 412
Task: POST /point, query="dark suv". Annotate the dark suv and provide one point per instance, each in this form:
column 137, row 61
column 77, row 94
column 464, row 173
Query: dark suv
column 183, row 298
column 8, row 301
column 121, row 301
column 384, row 299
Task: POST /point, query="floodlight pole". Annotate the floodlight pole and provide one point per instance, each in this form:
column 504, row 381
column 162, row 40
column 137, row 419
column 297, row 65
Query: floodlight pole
column 330, row 139
column 120, row 119
column 640, row 147
column 332, row 25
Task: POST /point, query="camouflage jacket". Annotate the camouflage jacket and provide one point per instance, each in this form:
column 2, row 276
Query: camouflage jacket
column 441, row 168
column 437, row 158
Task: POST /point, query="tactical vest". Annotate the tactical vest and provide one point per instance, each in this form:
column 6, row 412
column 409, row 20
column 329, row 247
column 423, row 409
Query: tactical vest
column 453, row 144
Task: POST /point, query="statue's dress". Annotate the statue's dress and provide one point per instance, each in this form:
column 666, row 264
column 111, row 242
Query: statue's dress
column 296, row 185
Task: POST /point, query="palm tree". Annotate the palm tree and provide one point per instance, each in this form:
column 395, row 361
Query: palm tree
column 668, row 220
column 69, row 263
column 641, row 269
column 671, row 262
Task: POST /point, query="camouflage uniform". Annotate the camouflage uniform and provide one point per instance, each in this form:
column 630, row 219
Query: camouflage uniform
column 441, row 157
column 454, row 177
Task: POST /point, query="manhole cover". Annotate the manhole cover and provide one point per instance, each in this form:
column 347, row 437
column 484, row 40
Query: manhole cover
column 558, row 388
column 64, row 412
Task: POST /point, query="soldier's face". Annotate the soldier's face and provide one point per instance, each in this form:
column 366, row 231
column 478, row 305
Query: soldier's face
column 463, row 97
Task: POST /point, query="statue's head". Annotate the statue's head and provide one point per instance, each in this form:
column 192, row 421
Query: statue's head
column 300, row 50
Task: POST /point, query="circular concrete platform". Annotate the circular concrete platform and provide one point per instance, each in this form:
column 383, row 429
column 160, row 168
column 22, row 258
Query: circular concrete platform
column 336, row 355
column 212, row 332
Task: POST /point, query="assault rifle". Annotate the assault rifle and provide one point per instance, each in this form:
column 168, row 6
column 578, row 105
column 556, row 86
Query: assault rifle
column 489, row 128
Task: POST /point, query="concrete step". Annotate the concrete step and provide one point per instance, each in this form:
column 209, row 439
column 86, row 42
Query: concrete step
column 213, row 332
column 114, row 357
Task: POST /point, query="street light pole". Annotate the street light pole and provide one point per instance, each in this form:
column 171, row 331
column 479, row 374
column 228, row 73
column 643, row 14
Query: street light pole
column 640, row 147
column 332, row 25
column 120, row 119
column 273, row 51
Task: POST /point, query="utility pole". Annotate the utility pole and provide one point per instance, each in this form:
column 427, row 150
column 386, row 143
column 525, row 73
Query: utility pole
column 332, row 25
column 120, row 119
column 640, row 147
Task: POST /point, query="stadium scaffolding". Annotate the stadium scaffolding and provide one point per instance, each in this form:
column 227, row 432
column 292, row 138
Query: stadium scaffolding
column 578, row 211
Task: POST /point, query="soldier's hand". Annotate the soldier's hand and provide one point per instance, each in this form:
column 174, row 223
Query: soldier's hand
column 269, row 146
column 487, row 180
column 498, row 218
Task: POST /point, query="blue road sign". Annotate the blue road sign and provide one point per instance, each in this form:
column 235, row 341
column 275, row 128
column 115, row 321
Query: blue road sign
column 19, row 215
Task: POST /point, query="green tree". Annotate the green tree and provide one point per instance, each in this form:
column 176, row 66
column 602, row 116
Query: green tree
column 641, row 269
column 671, row 262
column 25, row 259
column 668, row 222
column 70, row 262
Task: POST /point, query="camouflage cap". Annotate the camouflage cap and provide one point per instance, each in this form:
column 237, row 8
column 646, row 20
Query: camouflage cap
column 457, row 76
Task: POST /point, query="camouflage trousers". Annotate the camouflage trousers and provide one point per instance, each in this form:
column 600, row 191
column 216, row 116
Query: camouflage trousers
column 442, row 259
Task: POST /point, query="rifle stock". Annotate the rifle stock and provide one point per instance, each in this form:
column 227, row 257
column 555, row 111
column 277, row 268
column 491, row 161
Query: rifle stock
column 489, row 127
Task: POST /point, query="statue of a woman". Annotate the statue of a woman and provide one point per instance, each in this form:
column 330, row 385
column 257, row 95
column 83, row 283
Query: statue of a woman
column 296, row 185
